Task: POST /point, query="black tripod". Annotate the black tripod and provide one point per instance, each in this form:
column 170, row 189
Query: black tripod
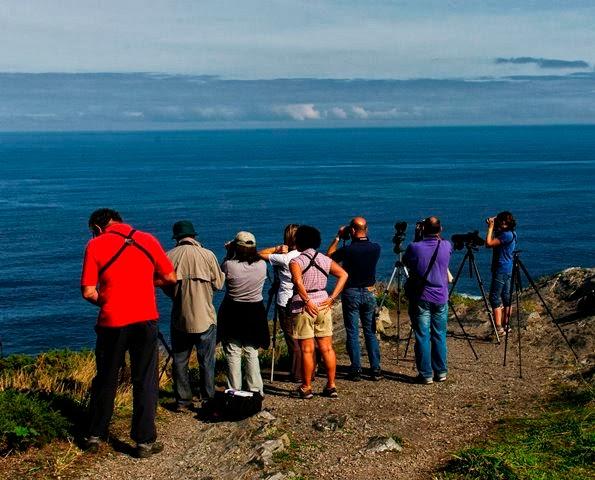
column 399, row 272
column 473, row 271
column 515, row 288
column 170, row 353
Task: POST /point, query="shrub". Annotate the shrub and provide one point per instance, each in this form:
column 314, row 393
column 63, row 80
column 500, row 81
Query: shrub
column 26, row 420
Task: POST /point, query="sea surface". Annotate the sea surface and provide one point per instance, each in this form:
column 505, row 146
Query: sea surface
column 259, row 180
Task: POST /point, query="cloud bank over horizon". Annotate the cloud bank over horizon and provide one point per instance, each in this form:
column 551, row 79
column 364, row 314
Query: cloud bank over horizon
column 402, row 39
column 140, row 101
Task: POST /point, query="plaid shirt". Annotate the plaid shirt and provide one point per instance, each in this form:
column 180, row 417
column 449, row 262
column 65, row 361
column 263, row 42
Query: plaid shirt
column 313, row 279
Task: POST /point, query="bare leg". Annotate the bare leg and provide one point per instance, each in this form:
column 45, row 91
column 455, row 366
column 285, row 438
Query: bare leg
column 498, row 317
column 308, row 362
column 325, row 345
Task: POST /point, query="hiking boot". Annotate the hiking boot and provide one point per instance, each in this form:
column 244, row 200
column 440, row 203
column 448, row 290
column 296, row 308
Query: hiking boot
column 354, row 376
column 420, row 379
column 91, row 444
column 145, row 450
column 376, row 375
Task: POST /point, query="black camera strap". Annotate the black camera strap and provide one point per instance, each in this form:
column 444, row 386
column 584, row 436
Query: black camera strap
column 128, row 241
column 431, row 264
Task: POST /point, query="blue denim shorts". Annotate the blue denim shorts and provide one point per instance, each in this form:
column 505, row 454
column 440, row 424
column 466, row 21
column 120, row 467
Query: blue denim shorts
column 500, row 290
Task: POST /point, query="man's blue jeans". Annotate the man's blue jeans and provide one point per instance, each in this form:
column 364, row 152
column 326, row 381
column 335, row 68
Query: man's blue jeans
column 182, row 344
column 359, row 304
column 428, row 321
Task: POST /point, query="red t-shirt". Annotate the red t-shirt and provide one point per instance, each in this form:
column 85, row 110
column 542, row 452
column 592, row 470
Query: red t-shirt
column 126, row 290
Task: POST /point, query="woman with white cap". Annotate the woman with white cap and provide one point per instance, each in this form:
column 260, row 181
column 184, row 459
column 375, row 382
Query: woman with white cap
column 242, row 325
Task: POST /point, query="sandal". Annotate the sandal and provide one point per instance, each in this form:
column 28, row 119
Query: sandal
column 305, row 393
column 330, row 392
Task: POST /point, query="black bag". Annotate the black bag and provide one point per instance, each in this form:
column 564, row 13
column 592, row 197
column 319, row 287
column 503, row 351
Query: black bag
column 237, row 404
column 414, row 285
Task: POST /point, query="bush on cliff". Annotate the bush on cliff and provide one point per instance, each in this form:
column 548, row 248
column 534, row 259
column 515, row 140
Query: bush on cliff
column 27, row 420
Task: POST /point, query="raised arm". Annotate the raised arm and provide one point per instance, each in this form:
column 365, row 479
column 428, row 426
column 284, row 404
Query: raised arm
column 491, row 240
column 264, row 253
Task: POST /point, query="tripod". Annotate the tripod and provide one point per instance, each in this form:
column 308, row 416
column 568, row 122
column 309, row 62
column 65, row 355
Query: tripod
column 170, row 353
column 400, row 272
column 515, row 288
column 473, row 270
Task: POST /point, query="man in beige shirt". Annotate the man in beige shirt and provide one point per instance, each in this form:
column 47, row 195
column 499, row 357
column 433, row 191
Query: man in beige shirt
column 193, row 317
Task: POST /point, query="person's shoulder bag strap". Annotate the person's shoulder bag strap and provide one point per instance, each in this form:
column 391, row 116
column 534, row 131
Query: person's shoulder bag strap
column 128, row 241
column 314, row 264
column 431, row 264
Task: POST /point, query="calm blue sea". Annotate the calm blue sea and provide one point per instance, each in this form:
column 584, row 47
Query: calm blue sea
column 261, row 180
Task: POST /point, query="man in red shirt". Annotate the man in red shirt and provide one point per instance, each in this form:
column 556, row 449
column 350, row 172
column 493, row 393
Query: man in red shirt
column 121, row 268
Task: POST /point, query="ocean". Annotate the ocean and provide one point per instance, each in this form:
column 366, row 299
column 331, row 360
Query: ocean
column 260, row 180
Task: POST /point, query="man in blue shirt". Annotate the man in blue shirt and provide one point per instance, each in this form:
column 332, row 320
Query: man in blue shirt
column 502, row 238
column 427, row 261
column 359, row 259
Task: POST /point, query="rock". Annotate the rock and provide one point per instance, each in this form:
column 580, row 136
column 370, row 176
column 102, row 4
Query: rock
column 383, row 320
column 265, row 451
column 265, row 416
column 382, row 444
column 332, row 422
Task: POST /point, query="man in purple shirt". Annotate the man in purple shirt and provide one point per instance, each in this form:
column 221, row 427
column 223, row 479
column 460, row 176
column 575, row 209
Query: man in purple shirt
column 428, row 308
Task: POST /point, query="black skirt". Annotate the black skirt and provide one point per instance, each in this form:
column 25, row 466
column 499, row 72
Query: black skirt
column 243, row 321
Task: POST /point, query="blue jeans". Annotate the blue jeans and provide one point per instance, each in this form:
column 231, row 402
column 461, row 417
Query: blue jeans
column 428, row 321
column 359, row 304
column 500, row 290
column 182, row 344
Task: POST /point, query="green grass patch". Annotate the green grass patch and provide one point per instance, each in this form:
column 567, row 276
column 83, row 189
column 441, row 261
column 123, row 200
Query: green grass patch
column 28, row 420
column 460, row 300
column 559, row 444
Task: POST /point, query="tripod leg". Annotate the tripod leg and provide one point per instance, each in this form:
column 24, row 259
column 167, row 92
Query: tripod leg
column 484, row 297
column 518, row 318
column 398, row 311
column 547, row 309
column 463, row 330
column 385, row 293
column 459, row 271
column 408, row 342
column 513, row 282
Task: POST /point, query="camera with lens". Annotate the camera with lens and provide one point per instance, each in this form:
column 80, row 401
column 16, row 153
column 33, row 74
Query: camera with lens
column 345, row 232
column 419, row 231
column 469, row 239
column 399, row 236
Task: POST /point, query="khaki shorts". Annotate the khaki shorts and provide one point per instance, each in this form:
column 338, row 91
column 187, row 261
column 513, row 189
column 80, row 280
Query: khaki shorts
column 305, row 326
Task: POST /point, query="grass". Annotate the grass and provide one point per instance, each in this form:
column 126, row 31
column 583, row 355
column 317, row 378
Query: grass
column 559, row 444
column 45, row 397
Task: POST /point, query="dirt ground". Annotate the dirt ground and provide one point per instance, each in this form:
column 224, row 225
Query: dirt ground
column 432, row 421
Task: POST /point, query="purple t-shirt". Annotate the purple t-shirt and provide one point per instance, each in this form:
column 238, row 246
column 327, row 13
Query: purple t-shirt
column 417, row 258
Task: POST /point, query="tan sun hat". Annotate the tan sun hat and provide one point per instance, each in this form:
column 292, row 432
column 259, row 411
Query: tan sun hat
column 245, row 239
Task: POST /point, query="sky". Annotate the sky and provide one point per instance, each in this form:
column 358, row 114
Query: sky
column 534, row 56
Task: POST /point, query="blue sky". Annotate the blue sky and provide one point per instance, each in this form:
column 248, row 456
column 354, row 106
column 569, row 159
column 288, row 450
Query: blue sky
column 534, row 57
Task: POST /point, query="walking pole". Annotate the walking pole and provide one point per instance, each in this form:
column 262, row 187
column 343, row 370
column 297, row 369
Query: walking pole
column 273, row 299
column 274, row 342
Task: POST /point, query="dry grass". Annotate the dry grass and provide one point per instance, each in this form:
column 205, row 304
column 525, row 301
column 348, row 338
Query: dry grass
column 65, row 373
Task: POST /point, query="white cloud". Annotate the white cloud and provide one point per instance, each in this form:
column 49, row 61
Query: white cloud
column 133, row 114
column 337, row 112
column 360, row 112
column 298, row 111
